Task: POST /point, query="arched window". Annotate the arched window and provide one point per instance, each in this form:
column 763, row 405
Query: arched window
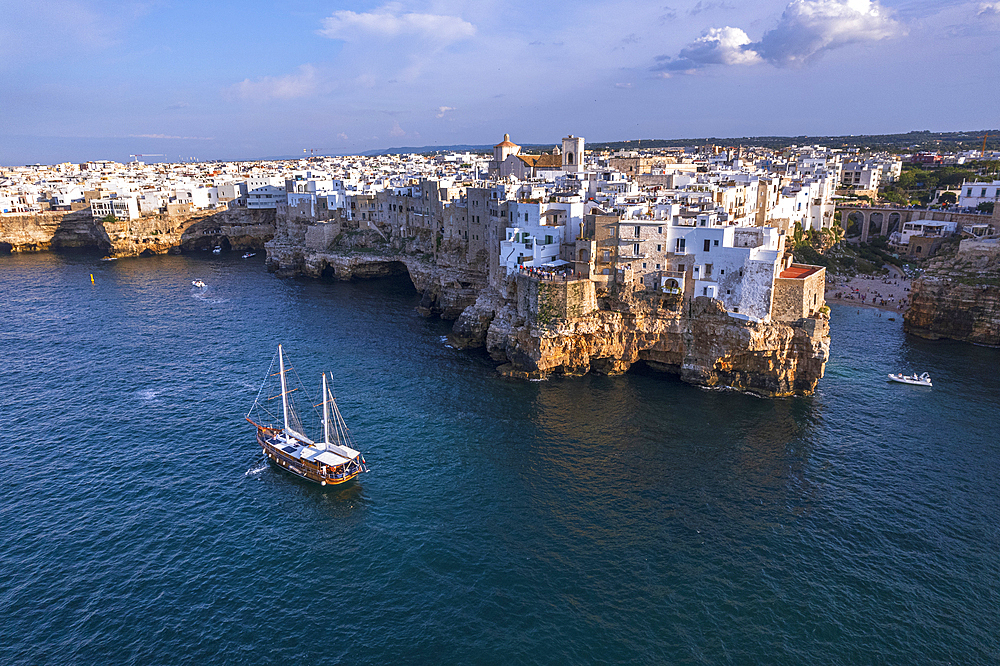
column 569, row 158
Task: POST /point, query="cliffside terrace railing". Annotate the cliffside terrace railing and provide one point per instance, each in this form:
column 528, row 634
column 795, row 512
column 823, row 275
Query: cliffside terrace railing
column 554, row 275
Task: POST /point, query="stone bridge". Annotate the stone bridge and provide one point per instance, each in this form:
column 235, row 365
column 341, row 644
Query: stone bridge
column 883, row 220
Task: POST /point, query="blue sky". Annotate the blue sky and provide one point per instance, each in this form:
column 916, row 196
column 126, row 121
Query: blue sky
column 103, row 79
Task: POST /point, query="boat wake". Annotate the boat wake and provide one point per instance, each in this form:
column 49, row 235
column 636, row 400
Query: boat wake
column 254, row 471
column 203, row 295
column 444, row 340
column 148, row 395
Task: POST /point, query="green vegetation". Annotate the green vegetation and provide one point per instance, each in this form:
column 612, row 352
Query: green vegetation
column 916, row 185
column 827, row 249
column 908, row 142
column 986, row 207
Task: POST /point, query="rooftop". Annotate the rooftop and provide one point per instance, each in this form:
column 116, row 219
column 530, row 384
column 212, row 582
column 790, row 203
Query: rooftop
column 799, row 271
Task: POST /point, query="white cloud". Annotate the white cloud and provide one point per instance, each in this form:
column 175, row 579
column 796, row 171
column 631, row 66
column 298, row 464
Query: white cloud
column 396, row 130
column 300, row 84
column 443, row 110
column 387, row 22
column 716, row 46
column 989, row 9
column 806, row 29
column 809, row 27
column 342, row 136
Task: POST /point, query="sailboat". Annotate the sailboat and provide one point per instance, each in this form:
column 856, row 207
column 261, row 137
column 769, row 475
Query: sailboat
column 331, row 462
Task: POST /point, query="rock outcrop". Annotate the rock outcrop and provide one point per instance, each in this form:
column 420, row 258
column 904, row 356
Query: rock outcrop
column 150, row 234
column 958, row 296
column 699, row 341
column 446, row 283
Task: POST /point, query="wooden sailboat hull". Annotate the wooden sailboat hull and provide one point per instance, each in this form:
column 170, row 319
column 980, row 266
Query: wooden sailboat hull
column 302, row 468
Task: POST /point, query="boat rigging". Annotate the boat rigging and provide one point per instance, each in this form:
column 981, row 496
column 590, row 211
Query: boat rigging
column 333, row 461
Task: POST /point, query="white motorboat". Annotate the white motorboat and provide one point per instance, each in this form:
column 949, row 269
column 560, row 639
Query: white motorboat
column 217, row 250
column 199, row 284
column 922, row 380
column 249, row 254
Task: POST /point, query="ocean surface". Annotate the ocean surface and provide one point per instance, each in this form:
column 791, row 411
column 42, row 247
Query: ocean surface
column 630, row 519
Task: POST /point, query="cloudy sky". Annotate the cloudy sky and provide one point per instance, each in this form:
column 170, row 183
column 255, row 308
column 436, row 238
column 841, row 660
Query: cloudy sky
column 103, row 79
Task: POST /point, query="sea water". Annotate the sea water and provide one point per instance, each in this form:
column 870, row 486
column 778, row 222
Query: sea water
column 631, row 519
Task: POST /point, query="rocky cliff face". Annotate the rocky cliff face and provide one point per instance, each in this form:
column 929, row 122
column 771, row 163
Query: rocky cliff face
column 958, row 296
column 447, row 284
column 148, row 235
column 699, row 342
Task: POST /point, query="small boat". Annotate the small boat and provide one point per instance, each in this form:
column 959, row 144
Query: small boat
column 331, row 462
column 199, row 284
column 217, row 250
column 922, row 380
column 249, row 254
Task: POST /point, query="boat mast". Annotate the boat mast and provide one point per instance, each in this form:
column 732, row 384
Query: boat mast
column 326, row 416
column 284, row 389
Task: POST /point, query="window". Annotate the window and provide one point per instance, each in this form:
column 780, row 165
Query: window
column 680, row 268
column 969, row 193
column 657, row 267
column 525, row 217
column 658, row 247
column 659, row 230
column 636, row 248
column 679, row 246
column 708, row 245
column 715, row 243
column 708, row 270
column 644, row 264
column 728, row 292
column 984, row 192
column 637, row 228
column 722, row 271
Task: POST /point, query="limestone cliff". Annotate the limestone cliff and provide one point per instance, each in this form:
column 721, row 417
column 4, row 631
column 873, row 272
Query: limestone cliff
column 150, row 234
column 958, row 296
column 346, row 252
column 697, row 340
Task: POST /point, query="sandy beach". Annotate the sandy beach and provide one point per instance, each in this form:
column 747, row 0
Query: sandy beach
column 871, row 291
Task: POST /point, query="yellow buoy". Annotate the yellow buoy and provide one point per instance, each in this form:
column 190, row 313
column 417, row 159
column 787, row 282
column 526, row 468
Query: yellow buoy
column 91, row 278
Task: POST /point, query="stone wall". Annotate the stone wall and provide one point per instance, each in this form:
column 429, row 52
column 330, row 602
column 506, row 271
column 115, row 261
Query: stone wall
column 545, row 301
column 797, row 298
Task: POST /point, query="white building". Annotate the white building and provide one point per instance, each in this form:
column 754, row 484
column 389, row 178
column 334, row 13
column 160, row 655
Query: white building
column 974, row 194
column 123, row 208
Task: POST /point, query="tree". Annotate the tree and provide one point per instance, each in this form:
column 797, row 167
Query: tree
column 834, row 235
column 947, row 198
column 798, row 237
column 985, row 207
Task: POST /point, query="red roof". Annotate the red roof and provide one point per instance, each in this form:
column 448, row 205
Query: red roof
column 798, row 271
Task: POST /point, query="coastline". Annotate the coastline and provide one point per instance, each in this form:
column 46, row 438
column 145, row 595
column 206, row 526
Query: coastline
column 867, row 291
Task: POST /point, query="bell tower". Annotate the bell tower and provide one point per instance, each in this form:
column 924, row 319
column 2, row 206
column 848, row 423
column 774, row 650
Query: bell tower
column 572, row 154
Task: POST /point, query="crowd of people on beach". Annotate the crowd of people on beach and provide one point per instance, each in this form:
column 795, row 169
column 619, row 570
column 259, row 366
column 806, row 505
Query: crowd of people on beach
column 872, row 296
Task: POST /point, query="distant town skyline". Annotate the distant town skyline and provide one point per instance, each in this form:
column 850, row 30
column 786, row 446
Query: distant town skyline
column 103, row 79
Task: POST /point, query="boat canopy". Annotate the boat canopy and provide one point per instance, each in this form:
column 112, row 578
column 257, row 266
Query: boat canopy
column 344, row 451
column 323, row 457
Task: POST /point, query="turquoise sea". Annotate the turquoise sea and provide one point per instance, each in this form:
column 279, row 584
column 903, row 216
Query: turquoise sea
column 630, row 519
